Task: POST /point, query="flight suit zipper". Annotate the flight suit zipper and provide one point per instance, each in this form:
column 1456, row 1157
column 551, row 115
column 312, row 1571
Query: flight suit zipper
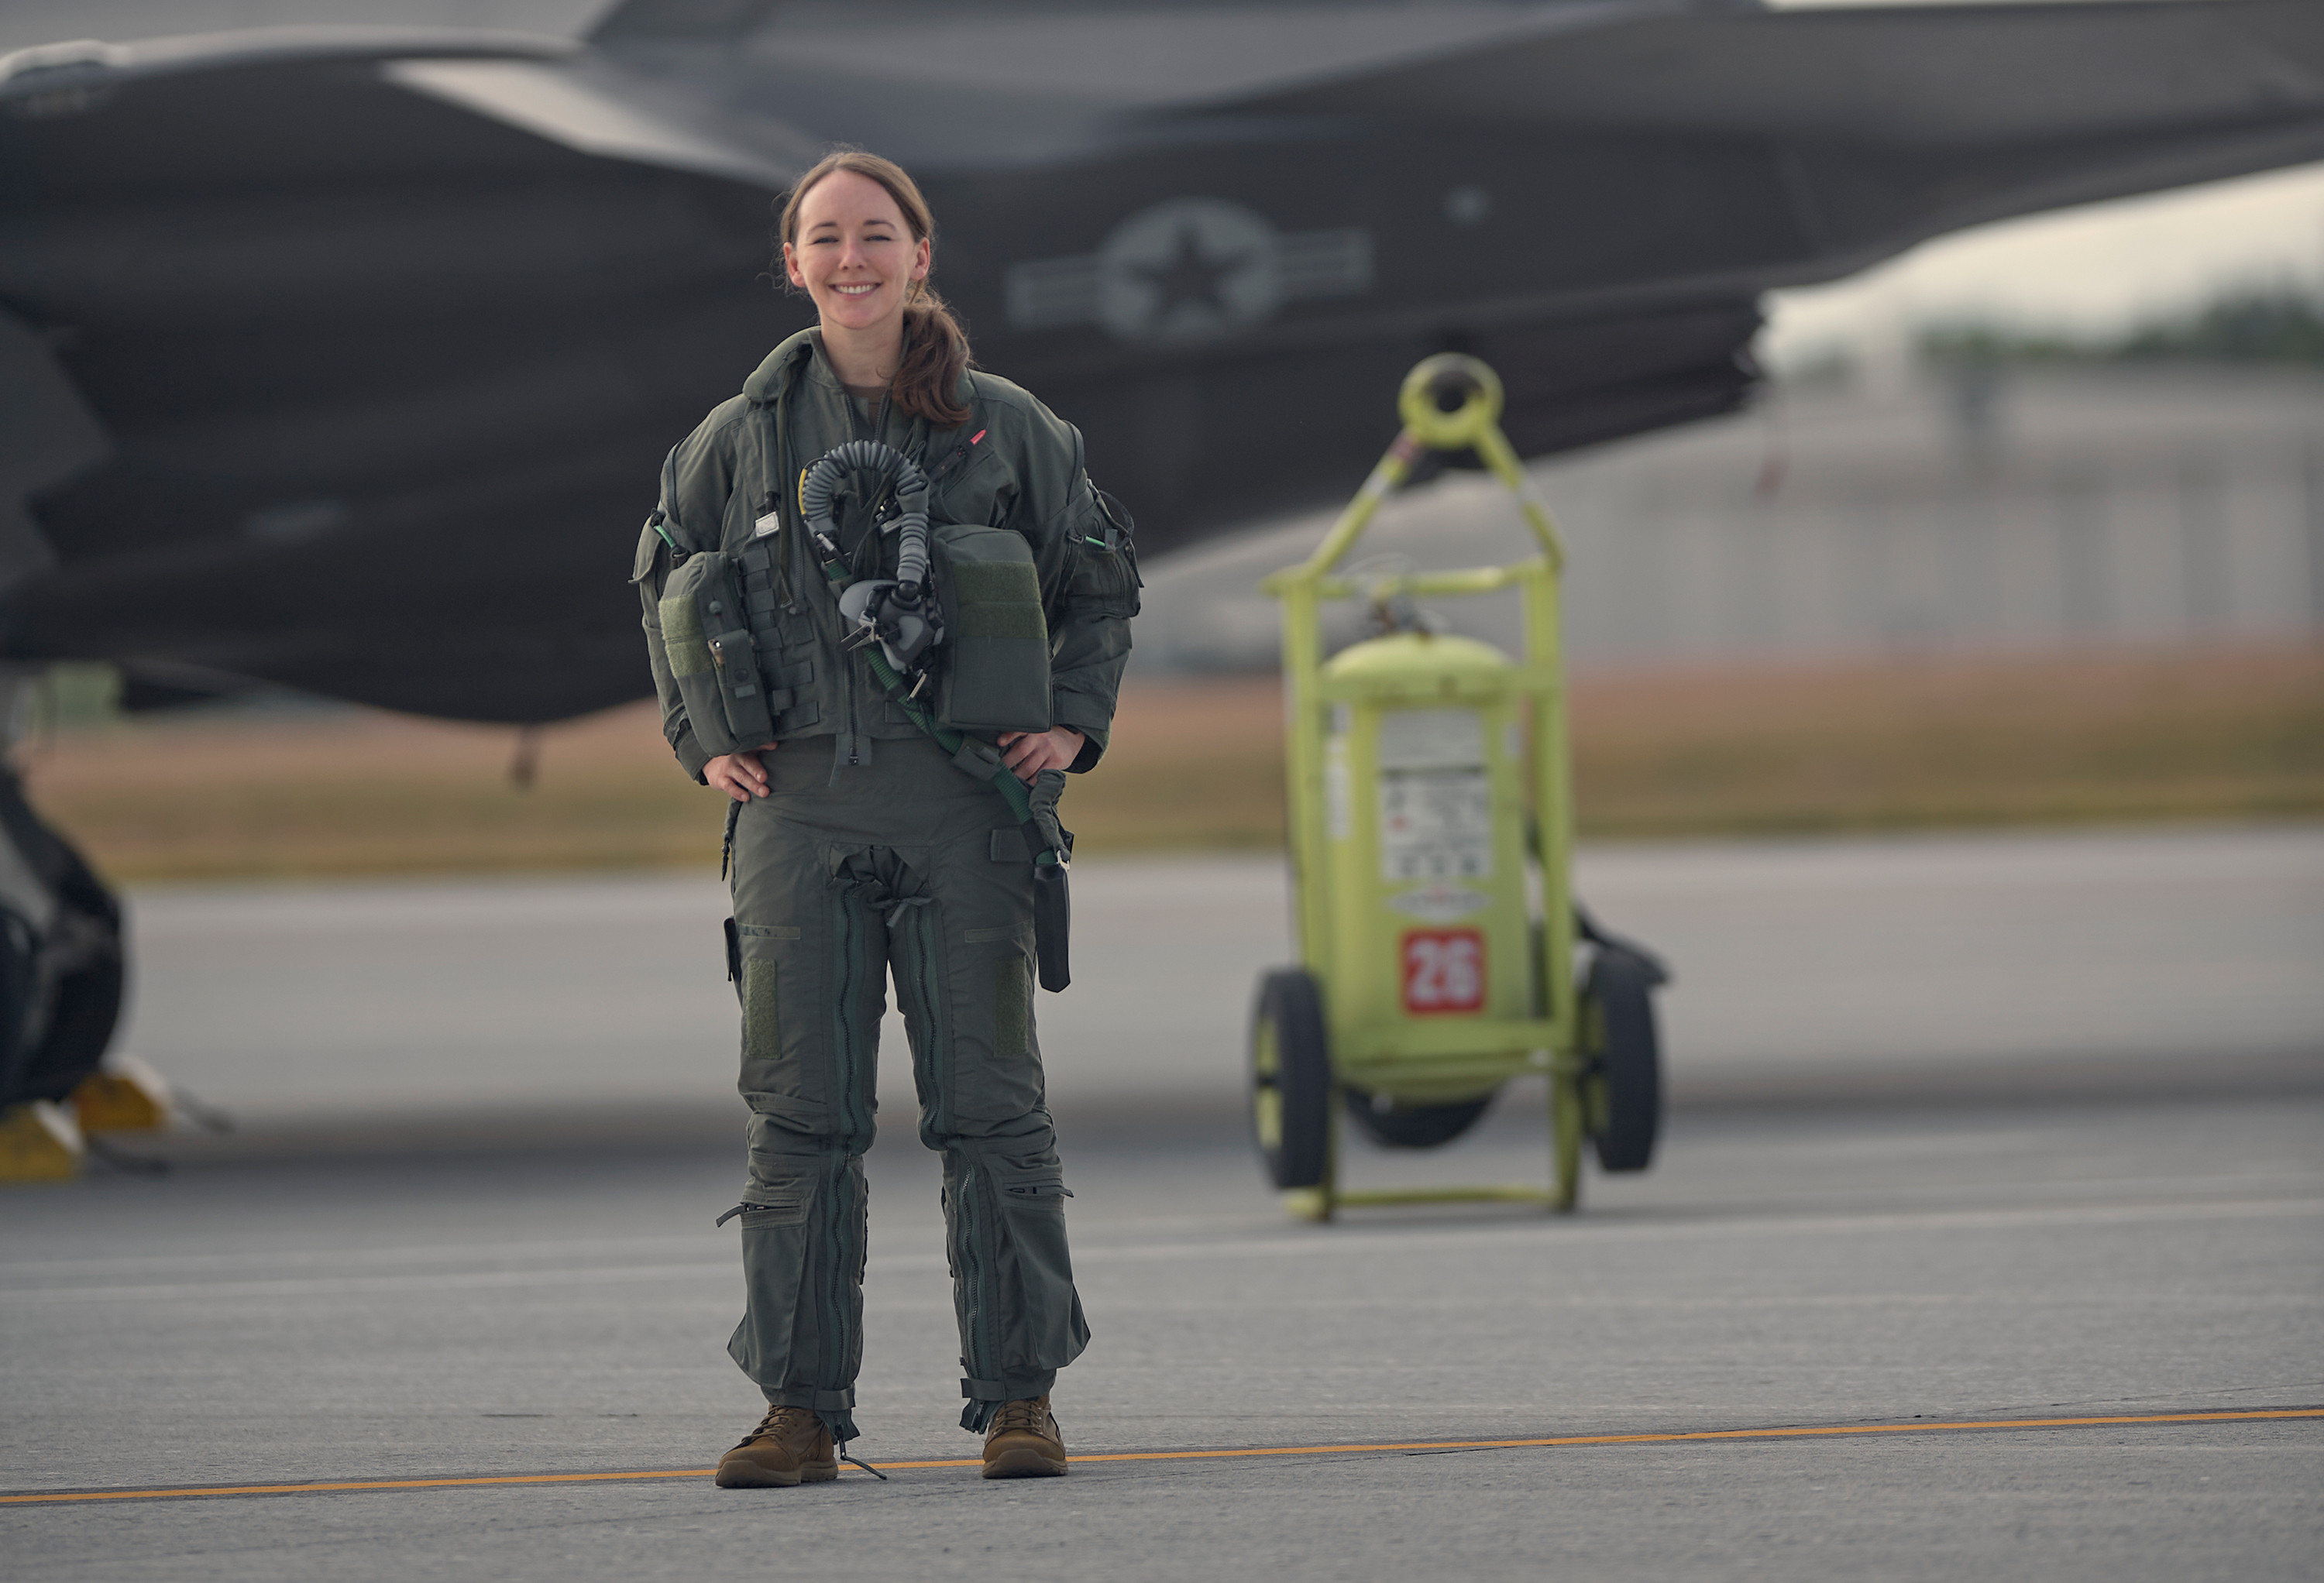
column 977, row 1322
column 831, row 1374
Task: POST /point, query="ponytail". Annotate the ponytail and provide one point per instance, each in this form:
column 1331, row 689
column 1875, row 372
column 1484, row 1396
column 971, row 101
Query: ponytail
column 935, row 349
column 935, row 354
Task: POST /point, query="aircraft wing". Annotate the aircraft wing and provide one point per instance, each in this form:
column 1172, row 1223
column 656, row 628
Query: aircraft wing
column 1890, row 124
column 345, row 360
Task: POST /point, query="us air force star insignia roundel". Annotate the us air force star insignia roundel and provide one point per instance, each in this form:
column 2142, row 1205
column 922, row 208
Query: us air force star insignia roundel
column 1191, row 269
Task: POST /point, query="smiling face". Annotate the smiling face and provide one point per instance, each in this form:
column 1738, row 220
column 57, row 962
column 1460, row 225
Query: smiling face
column 854, row 255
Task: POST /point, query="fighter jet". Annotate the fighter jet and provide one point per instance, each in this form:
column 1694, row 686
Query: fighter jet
column 344, row 359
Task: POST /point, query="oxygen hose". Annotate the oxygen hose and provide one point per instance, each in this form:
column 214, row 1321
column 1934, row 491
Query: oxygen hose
column 901, row 476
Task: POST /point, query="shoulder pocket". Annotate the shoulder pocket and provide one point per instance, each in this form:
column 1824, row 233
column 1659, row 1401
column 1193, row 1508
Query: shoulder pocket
column 982, row 491
column 650, row 547
column 998, row 676
column 1103, row 578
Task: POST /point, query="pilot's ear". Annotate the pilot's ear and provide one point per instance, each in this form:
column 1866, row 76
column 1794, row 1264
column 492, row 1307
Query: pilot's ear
column 791, row 269
column 926, row 257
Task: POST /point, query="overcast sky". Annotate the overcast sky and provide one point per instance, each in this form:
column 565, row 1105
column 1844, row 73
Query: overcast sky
column 2092, row 270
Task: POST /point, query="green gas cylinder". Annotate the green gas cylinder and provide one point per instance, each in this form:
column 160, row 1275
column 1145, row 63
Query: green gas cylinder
column 1423, row 815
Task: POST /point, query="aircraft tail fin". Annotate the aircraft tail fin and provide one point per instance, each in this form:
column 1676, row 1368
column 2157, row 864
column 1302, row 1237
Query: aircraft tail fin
column 641, row 21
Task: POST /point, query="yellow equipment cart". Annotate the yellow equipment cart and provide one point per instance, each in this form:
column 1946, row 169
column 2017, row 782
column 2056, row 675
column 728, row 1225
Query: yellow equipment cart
column 1432, row 828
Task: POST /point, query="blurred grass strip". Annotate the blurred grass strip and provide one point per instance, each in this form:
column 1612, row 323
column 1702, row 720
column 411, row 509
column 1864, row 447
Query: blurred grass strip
column 1891, row 745
column 2020, row 740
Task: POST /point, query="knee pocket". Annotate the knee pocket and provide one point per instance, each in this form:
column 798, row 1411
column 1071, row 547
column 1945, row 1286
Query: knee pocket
column 820, row 1191
column 783, row 1200
column 1037, row 1322
column 803, row 1254
column 1050, row 1332
column 1038, row 1177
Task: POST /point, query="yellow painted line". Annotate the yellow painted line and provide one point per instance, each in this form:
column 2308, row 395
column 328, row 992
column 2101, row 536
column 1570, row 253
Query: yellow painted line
column 1665, row 1437
column 259, row 1489
column 1698, row 1434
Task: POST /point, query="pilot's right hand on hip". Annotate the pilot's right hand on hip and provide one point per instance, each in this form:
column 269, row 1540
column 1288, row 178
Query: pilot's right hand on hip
column 740, row 775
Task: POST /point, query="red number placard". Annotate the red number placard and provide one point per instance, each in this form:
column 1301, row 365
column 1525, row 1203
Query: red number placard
column 1443, row 970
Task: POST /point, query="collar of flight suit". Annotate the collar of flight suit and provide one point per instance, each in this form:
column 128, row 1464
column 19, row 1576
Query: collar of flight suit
column 804, row 350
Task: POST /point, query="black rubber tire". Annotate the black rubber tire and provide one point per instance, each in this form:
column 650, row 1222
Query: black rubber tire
column 1414, row 1126
column 20, row 1021
column 1290, row 1079
column 86, row 1008
column 1629, row 1061
column 52, row 1037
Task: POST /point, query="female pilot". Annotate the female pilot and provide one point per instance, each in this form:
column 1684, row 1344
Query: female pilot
column 862, row 847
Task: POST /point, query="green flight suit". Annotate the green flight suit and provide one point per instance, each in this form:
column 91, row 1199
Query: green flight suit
column 861, row 864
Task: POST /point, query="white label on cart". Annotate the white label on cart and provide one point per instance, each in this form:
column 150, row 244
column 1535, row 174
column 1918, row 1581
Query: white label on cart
column 1431, row 738
column 1440, row 904
column 1435, row 823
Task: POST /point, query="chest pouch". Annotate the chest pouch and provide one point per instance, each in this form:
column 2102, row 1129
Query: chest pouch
column 998, row 676
column 706, row 630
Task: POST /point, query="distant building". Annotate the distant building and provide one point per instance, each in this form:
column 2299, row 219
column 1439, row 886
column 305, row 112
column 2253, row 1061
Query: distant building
column 1974, row 508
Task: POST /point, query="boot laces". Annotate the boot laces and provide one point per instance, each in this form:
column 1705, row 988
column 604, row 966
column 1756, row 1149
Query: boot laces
column 769, row 1426
column 1017, row 1415
column 773, row 1423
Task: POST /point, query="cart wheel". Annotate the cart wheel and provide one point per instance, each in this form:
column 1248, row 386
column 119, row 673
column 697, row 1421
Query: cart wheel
column 1290, row 1079
column 1625, row 1086
column 1413, row 1126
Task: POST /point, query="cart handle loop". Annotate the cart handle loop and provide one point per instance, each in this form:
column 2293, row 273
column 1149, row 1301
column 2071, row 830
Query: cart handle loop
column 1450, row 375
column 1474, row 425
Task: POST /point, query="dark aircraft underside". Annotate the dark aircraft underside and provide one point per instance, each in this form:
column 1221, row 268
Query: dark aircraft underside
column 344, row 359
column 350, row 357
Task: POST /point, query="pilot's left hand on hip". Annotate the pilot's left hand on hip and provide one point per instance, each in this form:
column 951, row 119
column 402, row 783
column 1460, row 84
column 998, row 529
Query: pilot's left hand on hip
column 1029, row 752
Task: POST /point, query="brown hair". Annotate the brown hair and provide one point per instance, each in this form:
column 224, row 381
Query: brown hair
column 936, row 347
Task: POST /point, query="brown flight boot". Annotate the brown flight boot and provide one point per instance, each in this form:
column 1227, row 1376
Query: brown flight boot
column 1023, row 1442
column 791, row 1446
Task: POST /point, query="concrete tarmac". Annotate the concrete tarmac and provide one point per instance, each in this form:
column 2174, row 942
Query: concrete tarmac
column 1994, row 1131
column 564, row 1312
